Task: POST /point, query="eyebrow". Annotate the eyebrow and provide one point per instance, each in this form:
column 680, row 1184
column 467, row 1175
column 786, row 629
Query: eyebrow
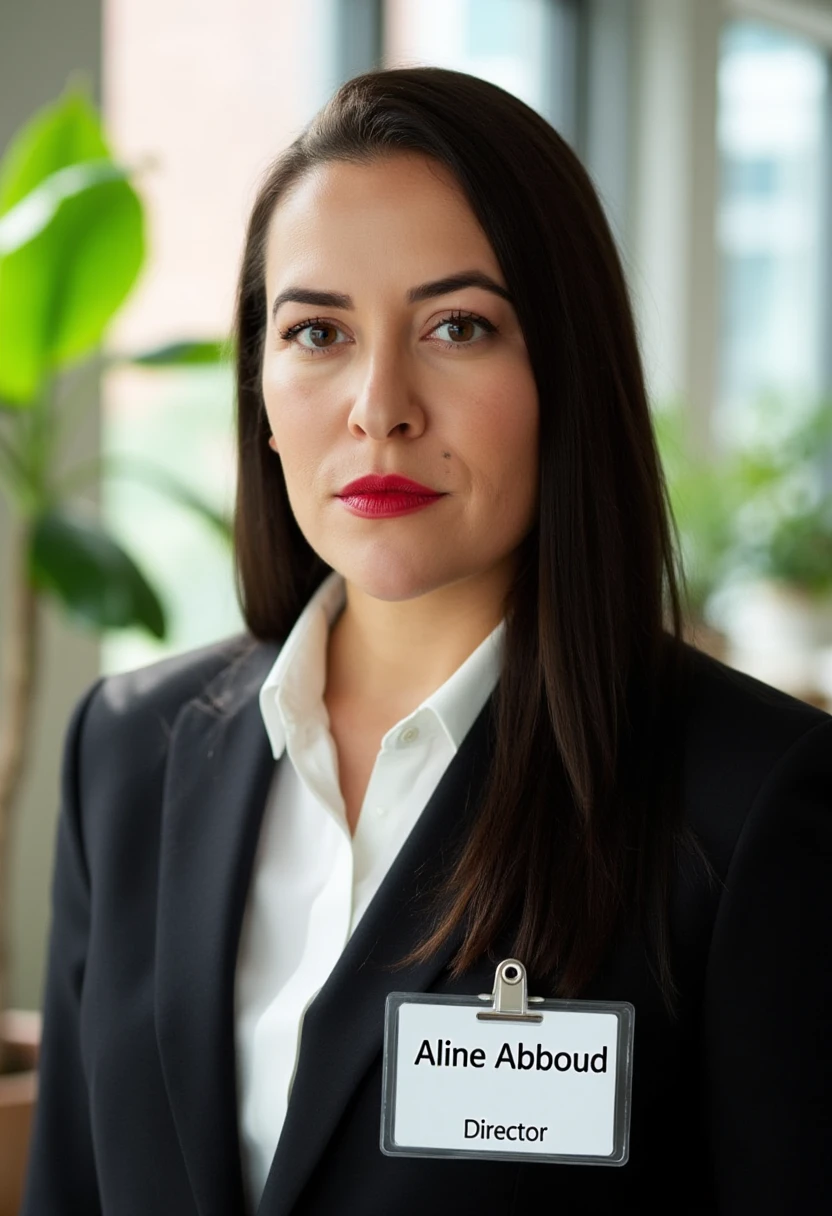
column 425, row 291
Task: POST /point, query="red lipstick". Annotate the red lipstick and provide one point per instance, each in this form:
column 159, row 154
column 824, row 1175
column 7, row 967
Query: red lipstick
column 381, row 496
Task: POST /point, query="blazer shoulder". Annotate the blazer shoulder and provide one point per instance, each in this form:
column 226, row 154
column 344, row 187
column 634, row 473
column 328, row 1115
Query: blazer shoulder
column 133, row 713
column 161, row 688
column 726, row 704
column 739, row 732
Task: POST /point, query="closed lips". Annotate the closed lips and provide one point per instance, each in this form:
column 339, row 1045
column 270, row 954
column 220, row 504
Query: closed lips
column 385, row 484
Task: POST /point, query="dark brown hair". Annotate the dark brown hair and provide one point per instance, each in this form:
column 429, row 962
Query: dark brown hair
column 574, row 837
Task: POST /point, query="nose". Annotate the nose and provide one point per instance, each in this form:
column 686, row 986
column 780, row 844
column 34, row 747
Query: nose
column 385, row 403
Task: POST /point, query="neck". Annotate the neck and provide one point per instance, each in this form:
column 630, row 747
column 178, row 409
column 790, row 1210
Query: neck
column 396, row 653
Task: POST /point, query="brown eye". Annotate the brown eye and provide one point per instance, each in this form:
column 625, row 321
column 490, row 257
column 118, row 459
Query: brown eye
column 317, row 330
column 461, row 328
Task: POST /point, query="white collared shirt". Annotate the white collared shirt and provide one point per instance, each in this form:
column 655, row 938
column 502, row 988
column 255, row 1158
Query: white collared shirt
column 312, row 881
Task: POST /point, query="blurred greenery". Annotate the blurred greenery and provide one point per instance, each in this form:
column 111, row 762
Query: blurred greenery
column 757, row 510
column 72, row 247
column 74, row 558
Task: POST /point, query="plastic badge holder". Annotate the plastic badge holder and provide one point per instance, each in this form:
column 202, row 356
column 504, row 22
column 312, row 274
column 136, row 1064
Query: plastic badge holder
column 421, row 1113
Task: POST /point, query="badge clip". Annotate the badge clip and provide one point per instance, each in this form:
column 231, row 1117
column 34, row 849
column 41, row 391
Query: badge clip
column 509, row 995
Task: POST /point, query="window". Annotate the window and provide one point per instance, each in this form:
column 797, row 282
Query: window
column 771, row 216
column 524, row 46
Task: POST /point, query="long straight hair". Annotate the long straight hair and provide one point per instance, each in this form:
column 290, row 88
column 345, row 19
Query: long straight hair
column 574, row 838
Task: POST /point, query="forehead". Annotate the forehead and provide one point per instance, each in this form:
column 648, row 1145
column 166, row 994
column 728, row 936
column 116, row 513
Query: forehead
column 403, row 217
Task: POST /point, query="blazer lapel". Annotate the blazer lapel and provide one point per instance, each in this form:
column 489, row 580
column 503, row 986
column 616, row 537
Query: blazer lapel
column 217, row 780
column 344, row 1026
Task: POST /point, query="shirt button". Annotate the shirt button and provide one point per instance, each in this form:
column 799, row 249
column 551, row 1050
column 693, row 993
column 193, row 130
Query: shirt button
column 410, row 735
column 381, row 810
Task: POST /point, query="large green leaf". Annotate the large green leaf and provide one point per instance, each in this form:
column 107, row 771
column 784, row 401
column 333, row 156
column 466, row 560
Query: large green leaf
column 28, row 218
column 60, row 290
column 184, row 354
column 62, row 133
column 100, row 585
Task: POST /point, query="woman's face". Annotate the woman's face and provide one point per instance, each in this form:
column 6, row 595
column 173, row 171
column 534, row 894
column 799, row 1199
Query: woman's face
column 434, row 385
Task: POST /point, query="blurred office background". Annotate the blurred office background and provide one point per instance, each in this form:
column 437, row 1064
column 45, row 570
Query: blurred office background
column 706, row 127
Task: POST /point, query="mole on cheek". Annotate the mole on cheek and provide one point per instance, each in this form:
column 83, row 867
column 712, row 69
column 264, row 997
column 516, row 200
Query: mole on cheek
column 446, row 455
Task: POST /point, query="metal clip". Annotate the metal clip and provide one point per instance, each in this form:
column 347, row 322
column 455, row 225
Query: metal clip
column 509, row 995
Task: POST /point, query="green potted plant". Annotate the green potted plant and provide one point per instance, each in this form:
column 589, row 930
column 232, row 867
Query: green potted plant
column 783, row 550
column 754, row 519
column 72, row 246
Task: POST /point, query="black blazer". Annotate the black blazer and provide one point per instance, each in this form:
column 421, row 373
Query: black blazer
column 165, row 777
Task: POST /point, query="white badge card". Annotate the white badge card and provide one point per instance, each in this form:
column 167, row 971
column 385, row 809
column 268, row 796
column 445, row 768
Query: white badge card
column 549, row 1082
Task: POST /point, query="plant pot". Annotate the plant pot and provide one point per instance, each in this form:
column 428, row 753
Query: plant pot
column 18, row 1090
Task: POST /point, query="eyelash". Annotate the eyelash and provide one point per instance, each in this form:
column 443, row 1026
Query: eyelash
column 289, row 334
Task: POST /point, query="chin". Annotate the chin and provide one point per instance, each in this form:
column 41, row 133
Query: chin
column 394, row 577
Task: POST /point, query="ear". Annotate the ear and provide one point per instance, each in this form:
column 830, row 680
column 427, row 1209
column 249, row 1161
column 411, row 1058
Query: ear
column 272, row 443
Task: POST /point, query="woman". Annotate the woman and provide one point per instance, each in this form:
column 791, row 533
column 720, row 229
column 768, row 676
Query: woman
column 462, row 728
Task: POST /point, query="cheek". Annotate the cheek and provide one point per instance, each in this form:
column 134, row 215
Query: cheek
column 505, row 438
column 298, row 447
column 295, row 419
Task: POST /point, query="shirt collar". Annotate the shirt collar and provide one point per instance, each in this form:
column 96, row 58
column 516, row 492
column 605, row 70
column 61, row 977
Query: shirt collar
column 458, row 701
column 293, row 690
column 294, row 687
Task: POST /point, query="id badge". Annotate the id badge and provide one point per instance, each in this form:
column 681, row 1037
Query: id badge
column 550, row 1083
